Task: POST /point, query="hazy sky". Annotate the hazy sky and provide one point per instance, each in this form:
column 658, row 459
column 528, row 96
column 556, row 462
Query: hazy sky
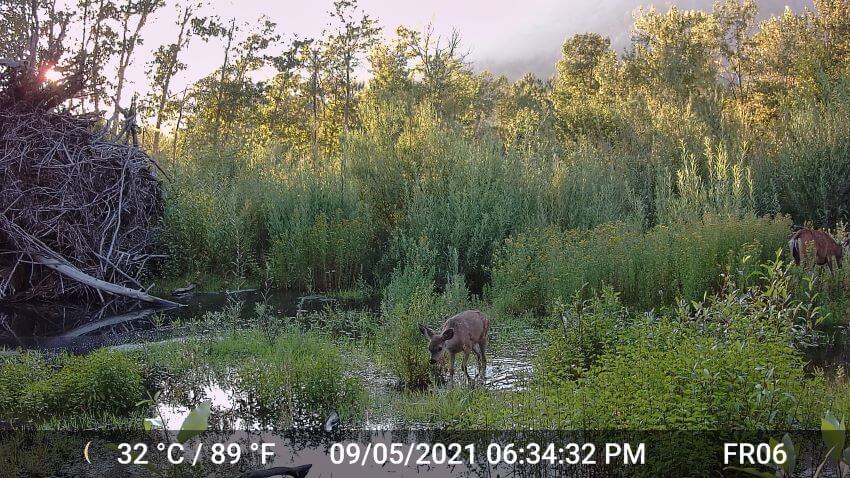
column 505, row 37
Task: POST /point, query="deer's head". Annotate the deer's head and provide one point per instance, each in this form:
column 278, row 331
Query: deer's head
column 436, row 342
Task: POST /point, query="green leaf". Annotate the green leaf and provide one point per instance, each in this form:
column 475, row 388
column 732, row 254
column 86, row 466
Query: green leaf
column 833, row 435
column 151, row 423
column 195, row 423
column 752, row 471
column 791, row 450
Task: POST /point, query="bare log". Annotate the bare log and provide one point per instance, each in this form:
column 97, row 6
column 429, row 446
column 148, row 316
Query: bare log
column 72, row 272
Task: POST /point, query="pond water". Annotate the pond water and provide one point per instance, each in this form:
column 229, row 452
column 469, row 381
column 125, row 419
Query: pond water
column 82, row 330
column 79, row 329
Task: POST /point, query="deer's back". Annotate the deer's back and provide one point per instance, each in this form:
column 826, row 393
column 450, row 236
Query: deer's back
column 825, row 245
column 470, row 326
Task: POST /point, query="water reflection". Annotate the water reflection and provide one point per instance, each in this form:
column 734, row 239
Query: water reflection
column 82, row 329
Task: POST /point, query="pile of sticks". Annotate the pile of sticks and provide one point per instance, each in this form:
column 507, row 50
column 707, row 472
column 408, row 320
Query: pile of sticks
column 79, row 214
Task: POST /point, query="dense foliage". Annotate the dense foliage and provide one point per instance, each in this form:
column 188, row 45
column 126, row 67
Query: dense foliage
column 430, row 164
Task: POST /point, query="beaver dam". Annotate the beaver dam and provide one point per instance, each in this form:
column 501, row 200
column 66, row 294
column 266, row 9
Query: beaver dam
column 79, row 212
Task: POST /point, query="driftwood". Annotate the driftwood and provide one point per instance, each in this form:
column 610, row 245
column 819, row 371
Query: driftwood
column 79, row 214
column 183, row 290
column 293, row 471
column 85, row 279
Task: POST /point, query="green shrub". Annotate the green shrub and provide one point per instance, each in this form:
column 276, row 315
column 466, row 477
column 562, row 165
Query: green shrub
column 588, row 329
column 15, row 372
column 726, row 363
column 409, row 300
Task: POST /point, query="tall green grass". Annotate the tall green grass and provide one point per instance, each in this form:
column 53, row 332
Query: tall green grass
column 537, row 269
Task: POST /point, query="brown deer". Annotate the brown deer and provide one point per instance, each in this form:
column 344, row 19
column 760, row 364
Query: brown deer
column 465, row 332
column 825, row 248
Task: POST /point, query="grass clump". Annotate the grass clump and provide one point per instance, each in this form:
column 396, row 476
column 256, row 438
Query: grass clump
column 36, row 388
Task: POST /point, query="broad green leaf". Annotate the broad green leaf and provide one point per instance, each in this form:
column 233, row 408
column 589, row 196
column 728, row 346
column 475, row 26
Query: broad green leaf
column 151, row 423
column 195, row 423
column 833, row 435
column 791, row 450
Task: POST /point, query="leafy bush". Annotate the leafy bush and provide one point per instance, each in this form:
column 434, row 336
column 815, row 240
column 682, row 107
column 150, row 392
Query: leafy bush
column 15, row 373
column 725, row 363
column 588, row 329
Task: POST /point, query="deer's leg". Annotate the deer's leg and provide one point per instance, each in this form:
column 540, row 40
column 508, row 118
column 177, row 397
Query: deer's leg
column 464, row 364
column 476, row 349
column 451, row 368
column 482, row 348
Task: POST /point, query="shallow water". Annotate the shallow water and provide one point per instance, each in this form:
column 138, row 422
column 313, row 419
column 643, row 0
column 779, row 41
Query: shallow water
column 232, row 410
column 80, row 329
column 510, row 367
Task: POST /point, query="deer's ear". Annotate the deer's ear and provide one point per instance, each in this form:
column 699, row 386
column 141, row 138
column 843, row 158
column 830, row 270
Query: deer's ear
column 448, row 333
column 426, row 331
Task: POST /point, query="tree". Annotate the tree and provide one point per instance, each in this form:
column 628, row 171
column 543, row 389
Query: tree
column 586, row 58
column 579, row 101
column 98, row 44
column 34, row 31
column 389, row 70
column 165, row 65
column 676, row 50
column 736, row 20
column 444, row 77
column 832, row 29
column 130, row 38
column 355, row 34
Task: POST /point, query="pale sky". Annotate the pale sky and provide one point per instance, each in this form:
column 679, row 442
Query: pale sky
column 505, row 37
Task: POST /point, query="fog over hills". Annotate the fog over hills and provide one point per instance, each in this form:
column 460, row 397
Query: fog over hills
column 505, row 37
column 539, row 49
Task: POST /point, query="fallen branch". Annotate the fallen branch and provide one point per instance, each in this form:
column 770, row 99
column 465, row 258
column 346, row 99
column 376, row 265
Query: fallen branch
column 72, row 272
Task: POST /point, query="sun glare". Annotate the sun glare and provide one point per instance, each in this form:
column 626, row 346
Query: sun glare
column 52, row 75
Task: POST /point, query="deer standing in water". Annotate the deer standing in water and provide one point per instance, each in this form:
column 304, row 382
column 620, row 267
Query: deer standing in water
column 826, row 250
column 465, row 332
